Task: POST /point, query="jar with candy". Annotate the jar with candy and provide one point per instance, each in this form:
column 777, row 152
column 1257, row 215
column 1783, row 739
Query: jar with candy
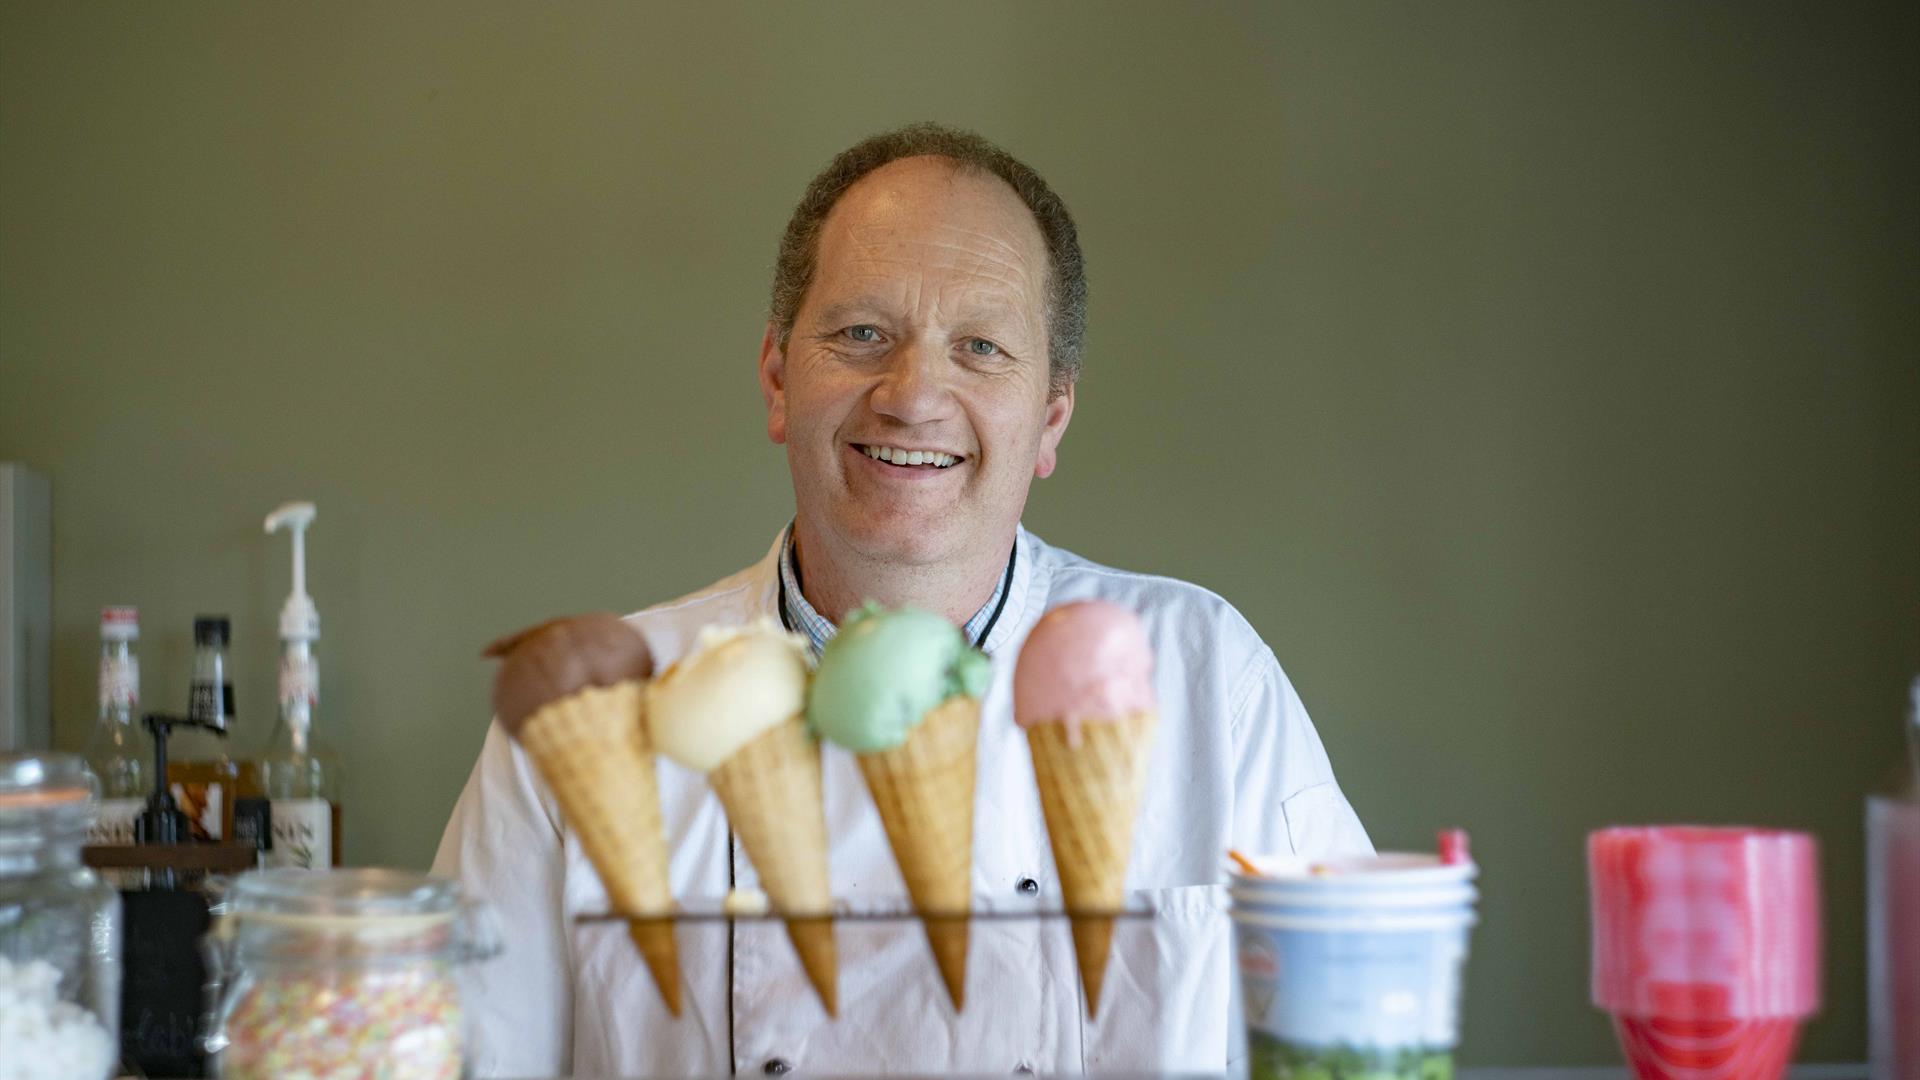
column 59, row 926
column 342, row 973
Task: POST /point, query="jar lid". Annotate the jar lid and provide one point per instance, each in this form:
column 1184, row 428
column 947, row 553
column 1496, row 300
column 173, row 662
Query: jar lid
column 352, row 917
column 340, row 896
column 38, row 786
column 35, row 781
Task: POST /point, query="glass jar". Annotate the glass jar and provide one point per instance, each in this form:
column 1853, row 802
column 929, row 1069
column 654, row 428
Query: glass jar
column 342, row 973
column 59, row 924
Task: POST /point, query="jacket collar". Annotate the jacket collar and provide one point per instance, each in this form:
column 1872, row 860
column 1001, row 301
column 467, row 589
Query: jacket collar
column 1023, row 598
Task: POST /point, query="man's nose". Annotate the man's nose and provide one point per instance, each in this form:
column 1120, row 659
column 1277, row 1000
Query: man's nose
column 915, row 387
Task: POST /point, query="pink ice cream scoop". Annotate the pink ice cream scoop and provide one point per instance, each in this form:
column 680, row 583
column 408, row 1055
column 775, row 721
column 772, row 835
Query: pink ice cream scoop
column 1084, row 662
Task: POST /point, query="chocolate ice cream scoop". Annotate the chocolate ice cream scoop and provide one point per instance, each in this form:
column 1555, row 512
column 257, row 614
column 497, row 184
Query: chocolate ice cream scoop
column 562, row 656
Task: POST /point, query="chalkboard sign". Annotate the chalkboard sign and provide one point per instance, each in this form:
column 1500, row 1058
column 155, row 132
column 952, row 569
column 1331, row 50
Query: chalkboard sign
column 163, row 982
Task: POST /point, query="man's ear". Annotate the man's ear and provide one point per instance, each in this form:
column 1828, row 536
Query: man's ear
column 1059, row 411
column 773, row 383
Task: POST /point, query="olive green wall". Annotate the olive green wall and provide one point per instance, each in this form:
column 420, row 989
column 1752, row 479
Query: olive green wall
column 1542, row 380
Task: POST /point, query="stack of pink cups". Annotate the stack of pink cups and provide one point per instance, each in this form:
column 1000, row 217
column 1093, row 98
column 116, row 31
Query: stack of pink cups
column 1706, row 947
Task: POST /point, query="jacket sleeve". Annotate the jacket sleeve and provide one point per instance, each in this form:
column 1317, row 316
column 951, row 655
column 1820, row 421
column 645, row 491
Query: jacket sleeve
column 504, row 845
column 1285, row 798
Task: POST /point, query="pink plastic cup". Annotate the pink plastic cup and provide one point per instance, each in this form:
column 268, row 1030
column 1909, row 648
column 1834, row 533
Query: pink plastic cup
column 1706, row 947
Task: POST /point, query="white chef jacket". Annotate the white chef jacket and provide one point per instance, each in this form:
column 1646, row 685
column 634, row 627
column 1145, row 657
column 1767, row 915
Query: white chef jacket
column 1235, row 762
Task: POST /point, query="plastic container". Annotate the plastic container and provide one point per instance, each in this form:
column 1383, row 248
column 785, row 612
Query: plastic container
column 1706, row 947
column 1352, row 967
column 59, row 925
column 343, row 973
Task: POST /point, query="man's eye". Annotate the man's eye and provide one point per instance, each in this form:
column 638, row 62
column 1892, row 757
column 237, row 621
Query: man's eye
column 982, row 347
column 864, row 334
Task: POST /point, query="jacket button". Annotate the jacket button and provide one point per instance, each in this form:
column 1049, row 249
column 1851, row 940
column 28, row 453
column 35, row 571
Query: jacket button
column 776, row 1067
column 1029, row 886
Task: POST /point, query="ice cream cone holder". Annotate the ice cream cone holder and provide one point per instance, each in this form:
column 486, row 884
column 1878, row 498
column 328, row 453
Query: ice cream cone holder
column 752, row 910
column 886, row 949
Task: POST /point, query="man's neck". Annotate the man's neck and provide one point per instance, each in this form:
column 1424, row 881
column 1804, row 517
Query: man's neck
column 835, row 581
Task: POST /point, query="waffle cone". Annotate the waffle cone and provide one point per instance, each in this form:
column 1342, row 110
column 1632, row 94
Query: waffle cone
column 924, row 790
column 771, row 790
column 591, row 748
column 1090, row 793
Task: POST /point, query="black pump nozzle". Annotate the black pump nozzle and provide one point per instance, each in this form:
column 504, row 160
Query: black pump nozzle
column 161, row 822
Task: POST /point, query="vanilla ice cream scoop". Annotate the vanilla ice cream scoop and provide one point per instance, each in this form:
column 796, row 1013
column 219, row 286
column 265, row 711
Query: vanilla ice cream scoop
column 737, row 683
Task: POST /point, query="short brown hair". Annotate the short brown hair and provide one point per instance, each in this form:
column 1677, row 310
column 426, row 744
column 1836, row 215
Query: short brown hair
column 1066, row 284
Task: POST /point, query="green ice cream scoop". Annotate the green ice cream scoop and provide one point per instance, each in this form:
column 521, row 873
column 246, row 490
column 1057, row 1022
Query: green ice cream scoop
column 884, row 671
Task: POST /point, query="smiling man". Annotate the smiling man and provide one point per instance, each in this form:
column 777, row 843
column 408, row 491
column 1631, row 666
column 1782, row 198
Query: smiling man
column 919, row 366
column 907, row 369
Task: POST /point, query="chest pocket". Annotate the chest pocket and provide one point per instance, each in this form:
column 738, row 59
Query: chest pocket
column 1166, row 1001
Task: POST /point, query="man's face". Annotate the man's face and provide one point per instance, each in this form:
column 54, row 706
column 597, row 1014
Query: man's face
column 912, row 394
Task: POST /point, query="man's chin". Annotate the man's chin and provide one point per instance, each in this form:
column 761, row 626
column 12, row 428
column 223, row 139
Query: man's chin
column 907, row 540
column 910, row 548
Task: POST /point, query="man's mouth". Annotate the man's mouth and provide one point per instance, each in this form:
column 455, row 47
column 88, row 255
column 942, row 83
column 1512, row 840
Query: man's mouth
column 926, row 459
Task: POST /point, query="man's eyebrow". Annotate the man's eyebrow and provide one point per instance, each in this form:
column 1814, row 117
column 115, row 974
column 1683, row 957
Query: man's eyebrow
column 982, row 317
column 842, row 310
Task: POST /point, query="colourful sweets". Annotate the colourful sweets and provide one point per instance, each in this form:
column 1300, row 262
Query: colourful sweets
column 401, row 1023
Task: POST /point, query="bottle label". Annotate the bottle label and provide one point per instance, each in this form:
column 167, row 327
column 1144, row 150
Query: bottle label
column 211, row 704
column 299, row 681
column 119, row 682
column 205, row 804
column 115, row 823
column 302, row 834
column 253, row 824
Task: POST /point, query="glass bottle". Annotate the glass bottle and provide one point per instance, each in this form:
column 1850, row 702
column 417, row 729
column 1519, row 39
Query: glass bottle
column 299, row 774
column 59, row 924
column 120, row 750
column 1893, row 918
column 201, row 769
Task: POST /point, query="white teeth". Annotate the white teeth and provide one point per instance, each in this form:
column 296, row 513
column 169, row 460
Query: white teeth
column 910, row 457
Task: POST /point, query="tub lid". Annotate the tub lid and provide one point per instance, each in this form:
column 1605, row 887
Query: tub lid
column 1387, row 869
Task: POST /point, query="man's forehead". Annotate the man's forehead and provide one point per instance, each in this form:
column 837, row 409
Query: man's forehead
column 927, row 213
column 879, row 248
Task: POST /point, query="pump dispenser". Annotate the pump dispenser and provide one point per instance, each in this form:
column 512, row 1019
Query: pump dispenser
column 298, row 777
column 299, row 619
